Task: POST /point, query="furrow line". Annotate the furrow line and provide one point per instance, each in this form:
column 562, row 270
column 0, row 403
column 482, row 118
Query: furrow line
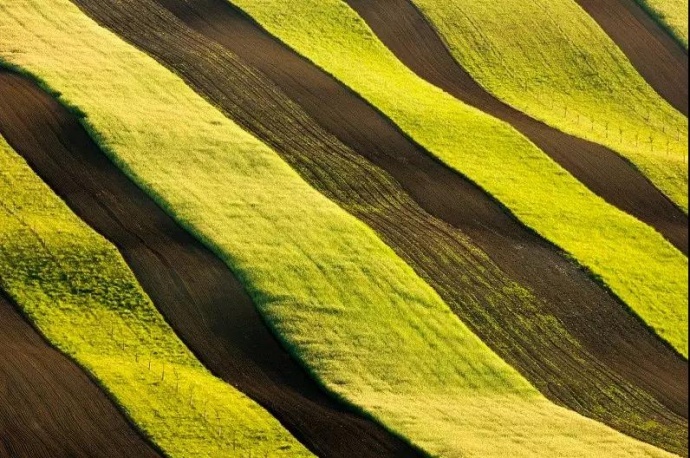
column 406, row 32
column 659, row 57
column 193, row 289
column 49, row 407
column 422, row 209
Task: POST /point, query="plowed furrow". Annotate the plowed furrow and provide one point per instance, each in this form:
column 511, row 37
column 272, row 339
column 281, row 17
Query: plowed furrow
column 49, row 408
column 573, row 340
column 194, row 290
column 659, row 58
column 406, row 32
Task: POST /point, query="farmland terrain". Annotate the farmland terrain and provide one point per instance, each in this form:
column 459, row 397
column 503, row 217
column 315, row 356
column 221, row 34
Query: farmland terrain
column 646, row 272
column 368, row 192
column 659, row 58
column 195, row 292
column 571, row 75
column 409, row 35
column 80, row 295
column 56, row 410
column 338, row 228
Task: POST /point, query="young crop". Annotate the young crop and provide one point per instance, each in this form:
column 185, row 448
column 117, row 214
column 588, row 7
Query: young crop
column 632, row 259
column 358, row 317
column 673, row 14
column 551, row 60
column 80, row 294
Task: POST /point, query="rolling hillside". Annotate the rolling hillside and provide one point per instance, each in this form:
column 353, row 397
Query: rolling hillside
column 673, row 14
column 338, row 228
column 414, row 41
column 76, row 289
column 571, row 75
column 498, row 159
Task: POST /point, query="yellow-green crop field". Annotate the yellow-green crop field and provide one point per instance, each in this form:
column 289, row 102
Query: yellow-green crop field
column 631, row 258
column 81, row 295
column 673, row 14
column 413, row 379
column 552, row 61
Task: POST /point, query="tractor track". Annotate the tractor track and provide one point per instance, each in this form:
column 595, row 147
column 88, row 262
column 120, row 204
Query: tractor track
column 49, row 407
column 408, row 34
column 194, row 290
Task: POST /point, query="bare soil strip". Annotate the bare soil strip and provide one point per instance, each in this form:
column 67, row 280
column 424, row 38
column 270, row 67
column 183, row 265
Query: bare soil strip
column 49, row 408
column 659, row 58
column 193, row 289
column 406, row 32
column 573, row 341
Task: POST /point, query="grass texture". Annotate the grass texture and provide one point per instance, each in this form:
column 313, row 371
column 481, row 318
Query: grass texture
column 632, row 259
column 672, row 14
column 76, row 288
column 358, row 317
column 551, row 60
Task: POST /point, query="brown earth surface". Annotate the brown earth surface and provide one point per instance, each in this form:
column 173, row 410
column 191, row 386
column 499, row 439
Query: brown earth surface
column 406, row 32
column 193, row 289
column 50, row 408
column 659, row 58
column 573, row 340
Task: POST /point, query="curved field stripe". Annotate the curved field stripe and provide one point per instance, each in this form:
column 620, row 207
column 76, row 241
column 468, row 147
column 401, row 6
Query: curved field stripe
column 659, row 58
column 406, row 32
column 193, row 289
column 673, row 14
column 546, row 339
column 359, row 317
column 549, row 59
column 48, row 406
column 223, row 328
column 633, row 260
column 79, row 292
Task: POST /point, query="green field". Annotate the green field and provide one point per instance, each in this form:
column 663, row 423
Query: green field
column 551, row 60
column 673, row 14
column 363, row 322
column 631, row 258
column 76, row 288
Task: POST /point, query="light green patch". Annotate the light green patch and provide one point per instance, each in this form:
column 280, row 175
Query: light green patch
column 359, row 318
column 632, row 259
column 673, row 14
column 76, row 288
column 551, row 60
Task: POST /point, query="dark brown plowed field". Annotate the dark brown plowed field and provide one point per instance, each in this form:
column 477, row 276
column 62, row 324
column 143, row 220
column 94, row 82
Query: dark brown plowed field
column 400, row 25
column 574, row 341
column 195, row 291
column 49, row 408
column 659, row 58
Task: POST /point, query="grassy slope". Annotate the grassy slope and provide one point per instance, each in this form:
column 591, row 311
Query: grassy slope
column 673, row 14
column 79, row 292
column 551, row 60
column 364, row 323
column 632, row 259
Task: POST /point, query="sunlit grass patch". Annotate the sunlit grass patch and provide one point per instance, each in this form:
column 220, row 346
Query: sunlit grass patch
column 355, row 314
column 80, row 294
column 629, row 257
column 550, row 59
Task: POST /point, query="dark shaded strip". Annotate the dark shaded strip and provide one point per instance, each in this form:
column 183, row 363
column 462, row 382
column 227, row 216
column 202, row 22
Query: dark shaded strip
column 193, row 289
column 50, row 408
column 656, row 55
column 406, row 32
column 575, row 342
